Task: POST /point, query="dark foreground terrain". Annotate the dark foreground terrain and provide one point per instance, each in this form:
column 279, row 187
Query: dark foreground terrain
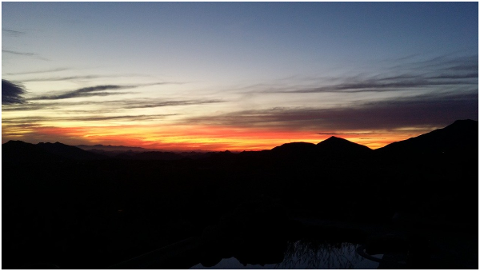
column 65, row 207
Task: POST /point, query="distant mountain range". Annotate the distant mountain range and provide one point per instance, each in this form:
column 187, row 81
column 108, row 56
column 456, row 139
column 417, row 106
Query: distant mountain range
column 110, row 148
column 459, row 137
column 22, row 151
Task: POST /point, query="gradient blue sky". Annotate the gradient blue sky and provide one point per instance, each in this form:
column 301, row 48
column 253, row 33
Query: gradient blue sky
column 236, row 75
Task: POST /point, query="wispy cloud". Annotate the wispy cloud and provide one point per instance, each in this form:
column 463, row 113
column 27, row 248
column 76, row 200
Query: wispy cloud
column 13, row 33
column 93, row 91
column 122, row 118
column 39, row 71
column 74, row 77
column 85, row 118
column 151, row 104
column 83, row 92
column 388, row 84
column 12, row 93
column 433, row 73
column 17, row 53
column 112, row 106
column 23, row 54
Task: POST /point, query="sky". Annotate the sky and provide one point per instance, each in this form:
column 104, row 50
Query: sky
column 235, row 75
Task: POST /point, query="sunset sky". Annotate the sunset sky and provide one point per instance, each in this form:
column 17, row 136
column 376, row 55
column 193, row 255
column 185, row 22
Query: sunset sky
column 236, row 76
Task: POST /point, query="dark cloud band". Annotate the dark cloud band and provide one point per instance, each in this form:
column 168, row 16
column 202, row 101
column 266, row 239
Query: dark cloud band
column 93, row 91
column 389, row 114
column 12, row 93
column 83, row 92
column 130, row 118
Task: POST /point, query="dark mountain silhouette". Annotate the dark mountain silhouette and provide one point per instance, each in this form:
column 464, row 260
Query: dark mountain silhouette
column 294, row 153
column 69, row 152
column 19, row 151
column 57, row 209
column 149, row 155
column 109, row 148
column 331, row 148
column 459, row 137
column 339, row 146
column 295, row 148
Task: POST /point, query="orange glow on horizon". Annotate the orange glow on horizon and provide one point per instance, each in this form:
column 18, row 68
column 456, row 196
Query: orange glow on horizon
column 194, row 138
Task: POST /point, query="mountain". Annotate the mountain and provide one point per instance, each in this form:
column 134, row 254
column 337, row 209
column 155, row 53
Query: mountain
column 110, row 148
column 54, row 200
column 19, row 151
column 148, row 155
column 333, row 148
column 341, row 147
column 69, row 152
column 333, row 145
column 295, row 147
column 461, row 137
column 294, row 152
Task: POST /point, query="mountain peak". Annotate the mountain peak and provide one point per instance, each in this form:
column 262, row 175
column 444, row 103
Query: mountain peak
column 340, row 146
column 335, row 139
column 463, row 124
column 465, row 121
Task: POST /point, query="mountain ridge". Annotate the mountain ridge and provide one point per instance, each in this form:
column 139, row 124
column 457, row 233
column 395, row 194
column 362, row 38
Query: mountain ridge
column 67, row 151
column 52, row 197
column 337, row 144
column 460, row 136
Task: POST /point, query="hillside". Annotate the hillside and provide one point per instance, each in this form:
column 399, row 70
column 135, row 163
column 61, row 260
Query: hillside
column 459, row 137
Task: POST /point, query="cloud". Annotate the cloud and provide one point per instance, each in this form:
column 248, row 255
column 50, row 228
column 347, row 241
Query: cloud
column 112, row 106
column 122, row 118
column 430, row 110
column 40, row 71
column 23, row 54
column 13, row 33
column 12, row 93
column 17, row 53
column 440, row 72
column 457, row 76
column 151, row 104
column 31, row 121
column 23, row 120
column 75, row 77
column 93, row 91
column 399, row 83
column 83, row 92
